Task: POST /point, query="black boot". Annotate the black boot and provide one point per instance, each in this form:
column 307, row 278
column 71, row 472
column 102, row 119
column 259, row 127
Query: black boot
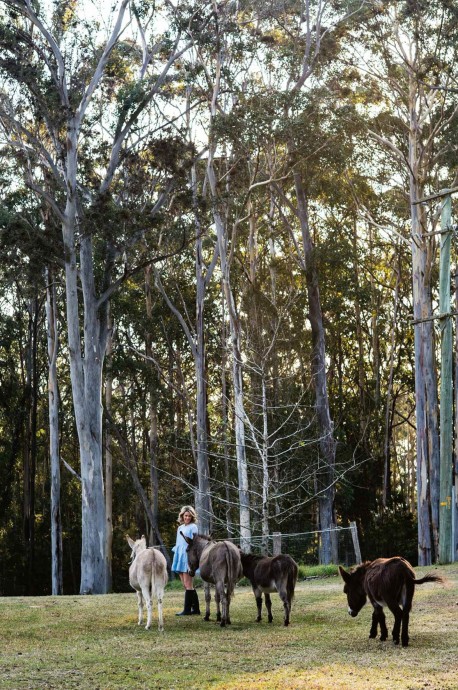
column 188, row 599
column 195, row 608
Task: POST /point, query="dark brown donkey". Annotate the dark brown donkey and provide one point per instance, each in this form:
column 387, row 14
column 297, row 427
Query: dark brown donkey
column 387, row 582
column 271, row 574
column 219, row 564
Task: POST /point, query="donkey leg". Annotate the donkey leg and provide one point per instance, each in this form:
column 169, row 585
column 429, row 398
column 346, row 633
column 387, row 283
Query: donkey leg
column 286, row 606
column 406, row 608
column 221, row 594
column 258, row 596
column 159, row 597
column 149, row 606
column 268, row 603
column 397, row 613
column 228, row 606
column 383, row 628
column 259, row 605
column 374, row 626
column 405, row 627
column 218, row 604
column 140, row 607
column 208, row 598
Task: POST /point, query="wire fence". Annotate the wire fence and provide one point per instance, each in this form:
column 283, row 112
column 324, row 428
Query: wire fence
column 304, row 547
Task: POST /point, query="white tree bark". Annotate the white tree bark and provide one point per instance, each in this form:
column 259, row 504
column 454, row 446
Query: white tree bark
column 86, row 320
column 53, row 402
column 109, row 458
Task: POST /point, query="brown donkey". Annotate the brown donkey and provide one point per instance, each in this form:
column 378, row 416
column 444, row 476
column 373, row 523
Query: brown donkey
column 271, row 574
column 387, row 582
column 219, row 565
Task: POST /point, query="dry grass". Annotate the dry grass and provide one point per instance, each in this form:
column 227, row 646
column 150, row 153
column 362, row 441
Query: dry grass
column 94, row 642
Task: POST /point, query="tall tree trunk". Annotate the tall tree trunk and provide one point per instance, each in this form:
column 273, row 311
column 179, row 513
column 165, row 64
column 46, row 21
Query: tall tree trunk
column 225, row 421
column 30, row 445
column 359, row 329
column 86, row 377
column 204, row 505
column 153, row 435
column 109, row 457
column 53, row 401
column 455, row 506
column 265, row 471
column 326, row 472
column 386, row 493
column 421, row 310
column 237, row 375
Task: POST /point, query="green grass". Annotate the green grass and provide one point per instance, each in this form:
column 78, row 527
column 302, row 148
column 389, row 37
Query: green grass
column 94, row 643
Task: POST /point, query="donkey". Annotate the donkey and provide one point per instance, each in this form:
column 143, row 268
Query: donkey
column 387, row 582
column 148, row 576
column 271, row 574
column 219, row 564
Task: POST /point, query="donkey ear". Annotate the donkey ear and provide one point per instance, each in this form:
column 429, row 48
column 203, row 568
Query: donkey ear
column 345, row 576
column 187, row 539
column 130, row 542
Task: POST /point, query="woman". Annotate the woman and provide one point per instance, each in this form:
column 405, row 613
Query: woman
column 186, row 525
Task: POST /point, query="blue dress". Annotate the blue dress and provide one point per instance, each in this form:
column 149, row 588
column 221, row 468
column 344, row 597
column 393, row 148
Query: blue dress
column 180, row 558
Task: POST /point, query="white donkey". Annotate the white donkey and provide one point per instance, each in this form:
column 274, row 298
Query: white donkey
column 148, row 576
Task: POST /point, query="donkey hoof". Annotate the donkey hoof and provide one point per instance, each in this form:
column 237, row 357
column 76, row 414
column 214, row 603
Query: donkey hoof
column 383, row 638
column 286, row 623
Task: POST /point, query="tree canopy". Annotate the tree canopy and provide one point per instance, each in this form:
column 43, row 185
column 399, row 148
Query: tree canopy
column 216, row 275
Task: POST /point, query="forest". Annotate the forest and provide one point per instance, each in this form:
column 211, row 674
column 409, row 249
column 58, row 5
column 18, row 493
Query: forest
column 221, row 228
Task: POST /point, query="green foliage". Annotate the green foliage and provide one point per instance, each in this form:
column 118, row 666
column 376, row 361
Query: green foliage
column 393, row 533
column 264, row 132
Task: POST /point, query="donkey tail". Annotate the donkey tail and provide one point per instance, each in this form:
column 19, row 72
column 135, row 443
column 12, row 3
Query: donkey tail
column 429, row 578
column 291, row 578
column 232, row 571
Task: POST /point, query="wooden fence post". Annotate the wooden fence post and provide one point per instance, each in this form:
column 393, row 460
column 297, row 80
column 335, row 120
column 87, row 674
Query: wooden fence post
column 354, row 536
column 276, row 543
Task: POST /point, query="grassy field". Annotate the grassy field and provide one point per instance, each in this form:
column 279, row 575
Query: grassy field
column 94, row 642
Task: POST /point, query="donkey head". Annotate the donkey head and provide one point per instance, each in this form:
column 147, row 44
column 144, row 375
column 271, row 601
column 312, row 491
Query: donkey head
column 136, row 546
column 196, row 545
column 354, row 589
column 193, row 555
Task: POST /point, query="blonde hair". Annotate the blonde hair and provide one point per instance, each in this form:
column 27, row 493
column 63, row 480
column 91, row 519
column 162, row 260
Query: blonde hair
column 187, row 509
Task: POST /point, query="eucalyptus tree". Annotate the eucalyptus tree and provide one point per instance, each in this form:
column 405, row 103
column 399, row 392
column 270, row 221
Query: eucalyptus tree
column 297, row 41
column 217, row 52
column 67, row 113
column 410, row 62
